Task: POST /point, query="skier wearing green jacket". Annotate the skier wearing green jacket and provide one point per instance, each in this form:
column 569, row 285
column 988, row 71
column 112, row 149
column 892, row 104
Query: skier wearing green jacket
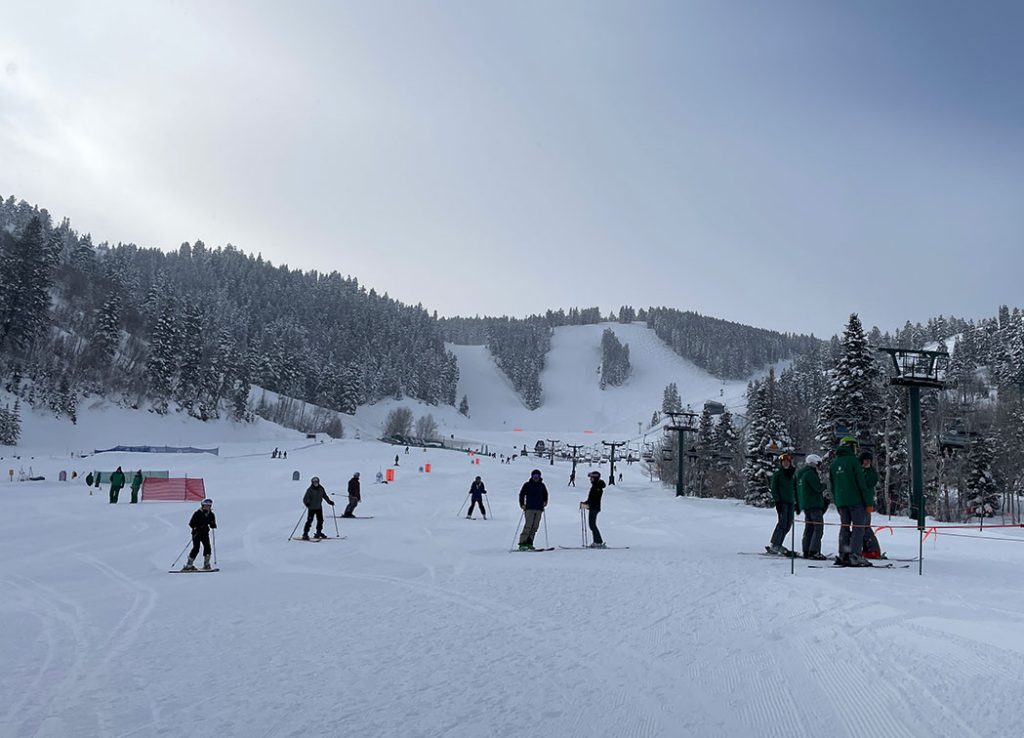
column 810, row 495
column 854, row 499
column 783, row 489
column 136, row 485
column 116, row 483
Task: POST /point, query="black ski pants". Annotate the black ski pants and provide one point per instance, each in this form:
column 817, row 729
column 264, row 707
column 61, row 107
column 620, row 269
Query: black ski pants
column 592, row 522
column 472, row 507
column 198, row 537
column 319, row 515
column 813, row 530
column 351, row 507
column 785, row 511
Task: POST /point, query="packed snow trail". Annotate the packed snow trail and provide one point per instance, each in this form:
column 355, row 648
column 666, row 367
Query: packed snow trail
column 421, row 624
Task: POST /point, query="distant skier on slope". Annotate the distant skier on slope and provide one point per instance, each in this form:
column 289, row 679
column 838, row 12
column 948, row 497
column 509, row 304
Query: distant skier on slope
column 116, row 483
column 202, row 521
column 354, row 497
column 313, row 500
column 533, row 498
column 593, row 506
column 810, row 498
column 783, row 492
column 477, row 492
column 136, row 485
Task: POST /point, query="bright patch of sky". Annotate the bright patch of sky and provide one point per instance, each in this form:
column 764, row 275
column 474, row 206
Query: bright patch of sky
column 780, row 164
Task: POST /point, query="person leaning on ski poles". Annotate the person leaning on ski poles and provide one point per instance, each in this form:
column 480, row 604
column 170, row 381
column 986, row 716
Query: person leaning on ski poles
column 593, row 506
column 477, row 492
column 313, row 500
column 533, row 498
column 854, row 500
column 202, row 521
column 783, row 489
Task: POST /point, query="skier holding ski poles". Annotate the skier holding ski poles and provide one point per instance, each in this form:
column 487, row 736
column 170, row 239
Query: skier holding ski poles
column 477, row 492
column 202, row 521
column 354, row 496
column 533, row 498
column 313, row 500
column 593, row 506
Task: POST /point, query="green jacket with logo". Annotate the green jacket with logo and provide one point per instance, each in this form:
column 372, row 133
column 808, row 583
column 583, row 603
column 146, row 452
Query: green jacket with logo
column 810, row 492
column 783, row 486
column 846, row 477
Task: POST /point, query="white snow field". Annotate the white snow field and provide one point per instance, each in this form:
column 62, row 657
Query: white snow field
column 421, row 623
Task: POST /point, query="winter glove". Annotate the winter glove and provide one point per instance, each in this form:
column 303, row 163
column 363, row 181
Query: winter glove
column 331, row 503
column 799, row 511
column 870, row 509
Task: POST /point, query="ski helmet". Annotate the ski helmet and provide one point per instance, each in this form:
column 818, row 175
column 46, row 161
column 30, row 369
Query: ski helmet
column 786, row 457
column 315, row 480
column 356, row 475
column 848, row 441
column 813, row 460
column 594, row 474
column 207, row 502
column 535, row 473
column 866, row 456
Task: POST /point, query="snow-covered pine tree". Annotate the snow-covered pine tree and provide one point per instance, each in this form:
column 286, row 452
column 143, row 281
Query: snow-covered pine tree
column 26, row 273
column 982, row 492
column 767, row 437
column 464, row 406
column 853, row 400
column 705, row 446
column 671, row 402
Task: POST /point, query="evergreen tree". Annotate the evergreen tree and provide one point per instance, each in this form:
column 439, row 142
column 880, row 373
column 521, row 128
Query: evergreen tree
column 26, row 273
column 671, row 402
column 982, row 496
column 464, row 406
column 853, row 400
column 767, row 437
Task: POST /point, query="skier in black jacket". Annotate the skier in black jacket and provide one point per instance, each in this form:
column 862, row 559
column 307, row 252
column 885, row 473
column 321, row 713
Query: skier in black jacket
column 533, row 498
column 314, row 501
column 477, row 492
column 593, row 506
column 353, row 496
column 202, row 521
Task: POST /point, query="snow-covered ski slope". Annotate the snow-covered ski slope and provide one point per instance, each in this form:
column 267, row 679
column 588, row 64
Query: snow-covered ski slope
column 575, row 408
column 421, row 623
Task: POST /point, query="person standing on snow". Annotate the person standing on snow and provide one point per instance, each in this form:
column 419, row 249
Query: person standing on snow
column 854, row 501
column 783, row 491
column 872, row 549
column 533, row 498
column 477, row 492
column 136, row 485
column 116, row 483
column 202, row 521
column 353, row 496
column 313, row 500
column 593, row 506
column 810, row 496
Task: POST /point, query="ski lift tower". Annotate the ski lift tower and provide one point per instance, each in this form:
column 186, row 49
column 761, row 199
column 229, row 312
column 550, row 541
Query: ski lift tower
column 682, row 423
column 917, row 369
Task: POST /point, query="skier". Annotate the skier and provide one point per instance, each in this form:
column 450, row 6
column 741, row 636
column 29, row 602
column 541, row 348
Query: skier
column 380, row 477
column 872, row 549
column 811, row 499
column 202, row 521
column 572, row 478
column 136, row 485
column 88, row 481
column 477, row 492
column 593, row 506
column 533, row 498
column 353, row 496
column 116, row 483
column 313, row 500
column 783, row 493
column 396, row 459
column 854, row 501
column 284, row 454
column 274, row 454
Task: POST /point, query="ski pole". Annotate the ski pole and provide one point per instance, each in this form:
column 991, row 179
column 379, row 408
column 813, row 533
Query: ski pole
column 213, row 541
column 516, row 535
column 792, row 542
column 544, row 517
column 334, row 514
column 182, row 553
column 459, row 513
column 583, row 536
column 292, row 534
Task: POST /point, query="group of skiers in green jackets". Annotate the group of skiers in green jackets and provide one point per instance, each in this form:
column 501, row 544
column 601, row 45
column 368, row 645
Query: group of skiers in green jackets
column 117, row 482
column 852, row 480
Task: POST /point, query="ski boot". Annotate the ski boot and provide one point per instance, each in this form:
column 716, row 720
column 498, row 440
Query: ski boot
column 858, row 560
column 469, row 517
column 818, row 556
column 598, row 545
column 524, row 547
column 189, row 566
column 319, row 534
column 305, row 536
column 485, row 516
column 206, row 562
column 775, row 550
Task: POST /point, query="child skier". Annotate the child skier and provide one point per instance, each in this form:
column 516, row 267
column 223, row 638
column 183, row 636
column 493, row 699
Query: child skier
column 202, row 521
column 477, row 492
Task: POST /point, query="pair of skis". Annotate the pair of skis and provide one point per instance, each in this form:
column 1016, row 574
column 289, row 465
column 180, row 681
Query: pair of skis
column 567, row 548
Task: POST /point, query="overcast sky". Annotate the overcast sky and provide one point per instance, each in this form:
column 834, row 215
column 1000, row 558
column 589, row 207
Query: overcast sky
column 778, row 163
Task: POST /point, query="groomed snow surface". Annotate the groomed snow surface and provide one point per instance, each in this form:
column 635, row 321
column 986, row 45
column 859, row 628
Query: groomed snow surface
column 420, row 623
